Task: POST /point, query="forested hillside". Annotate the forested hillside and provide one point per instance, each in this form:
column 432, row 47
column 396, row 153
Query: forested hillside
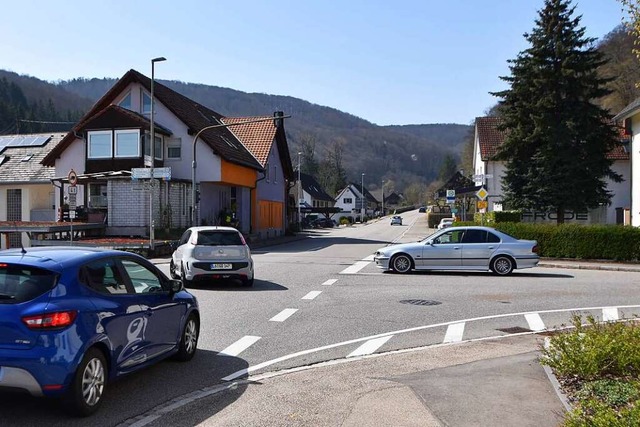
column 402, row 156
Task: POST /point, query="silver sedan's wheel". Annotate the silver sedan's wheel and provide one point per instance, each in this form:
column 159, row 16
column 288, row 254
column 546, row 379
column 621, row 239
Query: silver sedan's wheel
column 502, row 265
column 401, row 263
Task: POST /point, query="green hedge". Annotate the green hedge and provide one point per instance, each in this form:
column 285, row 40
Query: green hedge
column 610, row 242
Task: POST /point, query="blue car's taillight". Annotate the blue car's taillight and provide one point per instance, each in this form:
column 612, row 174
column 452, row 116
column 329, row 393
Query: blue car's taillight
column 56, row 320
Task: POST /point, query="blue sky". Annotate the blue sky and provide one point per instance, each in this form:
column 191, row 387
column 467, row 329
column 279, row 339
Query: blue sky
column 401, row 62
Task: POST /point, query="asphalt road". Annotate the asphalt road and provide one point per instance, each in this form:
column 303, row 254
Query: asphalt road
column 322, row 299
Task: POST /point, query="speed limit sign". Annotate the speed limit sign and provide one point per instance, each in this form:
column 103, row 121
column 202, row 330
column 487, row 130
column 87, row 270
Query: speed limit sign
column 73, row 178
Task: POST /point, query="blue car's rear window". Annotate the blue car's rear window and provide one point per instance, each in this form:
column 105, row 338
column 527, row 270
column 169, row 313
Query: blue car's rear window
column 19, row 283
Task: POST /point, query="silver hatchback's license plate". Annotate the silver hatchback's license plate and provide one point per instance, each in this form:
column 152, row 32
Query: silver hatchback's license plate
column 218, row 266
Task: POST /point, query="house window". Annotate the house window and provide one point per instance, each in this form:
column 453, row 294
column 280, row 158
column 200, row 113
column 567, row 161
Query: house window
column 128, row 143
column 174, row 149
column 347, row 200
column 99, row 145
column 157, row 149
column 97, row 196
column 275, row 174
column 126, row 102
column 146, row 103
column 267, row 170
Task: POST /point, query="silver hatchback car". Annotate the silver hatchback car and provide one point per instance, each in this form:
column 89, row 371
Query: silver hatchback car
column 212, row 253
column 461, row 248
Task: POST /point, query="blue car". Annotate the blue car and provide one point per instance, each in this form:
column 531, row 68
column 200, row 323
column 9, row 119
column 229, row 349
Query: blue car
column 72, row 319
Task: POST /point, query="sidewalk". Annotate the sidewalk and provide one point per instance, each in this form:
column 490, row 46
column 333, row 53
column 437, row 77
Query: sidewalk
column 483, row 383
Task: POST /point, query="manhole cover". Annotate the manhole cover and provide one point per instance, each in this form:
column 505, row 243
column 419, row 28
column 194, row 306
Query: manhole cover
column 420, row 302
column 514, row 330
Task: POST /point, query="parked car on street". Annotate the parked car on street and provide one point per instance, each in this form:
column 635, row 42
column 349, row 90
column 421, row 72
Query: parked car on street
column 445, row 222
column 73, row 318
column 323, row 223
column 396, row 220
column 461, row 248
column 212, row 253
column 422, row 209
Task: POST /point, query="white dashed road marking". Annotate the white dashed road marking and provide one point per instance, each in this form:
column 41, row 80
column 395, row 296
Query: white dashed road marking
column 312, row 295
column 609, row 314
column 239, row 346
column 535, row 322
column 454, row 333
column 369, row 346
column 330, row 282
column 369, row 258
column 353, row 269
column 283, row 315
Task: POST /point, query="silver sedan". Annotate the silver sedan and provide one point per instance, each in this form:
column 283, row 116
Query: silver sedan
column 461, row 248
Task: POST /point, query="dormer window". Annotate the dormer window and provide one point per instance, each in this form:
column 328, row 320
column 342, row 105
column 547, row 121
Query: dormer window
column 99, row 145
column 127, row 143
column 26, row 158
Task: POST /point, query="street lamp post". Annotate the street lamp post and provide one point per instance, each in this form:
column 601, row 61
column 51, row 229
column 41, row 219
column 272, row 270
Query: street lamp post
column 299, row 193
column 152, row 150
column 194, row 163
column 363, row 198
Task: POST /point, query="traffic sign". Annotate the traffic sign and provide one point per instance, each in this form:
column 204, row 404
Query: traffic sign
column 145, row 173
column 73, row 190
column 451, row 194
column 73, row 178
column 482, row 193
column 482, row 204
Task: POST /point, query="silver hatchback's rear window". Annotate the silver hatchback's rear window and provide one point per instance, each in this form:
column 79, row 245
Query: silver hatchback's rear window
column 19, row 283
column 219, row 238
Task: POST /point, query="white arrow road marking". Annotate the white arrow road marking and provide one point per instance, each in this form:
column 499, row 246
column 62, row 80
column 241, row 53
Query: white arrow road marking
column 353, row 269
column 535, row 322
column 330, row 282
column 283, row 315
column 239, row 346
column 454, row 333
column 369, row 346
column 312, row 295
column 609, row 314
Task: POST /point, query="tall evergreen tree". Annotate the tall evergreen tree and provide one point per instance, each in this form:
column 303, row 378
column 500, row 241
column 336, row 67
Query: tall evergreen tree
column 557, row 137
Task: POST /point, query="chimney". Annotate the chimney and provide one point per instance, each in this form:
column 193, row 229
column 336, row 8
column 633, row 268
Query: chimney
column 277, row 121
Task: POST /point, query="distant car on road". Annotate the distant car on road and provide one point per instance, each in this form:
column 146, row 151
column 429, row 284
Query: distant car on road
column 73, row 318
column 461, row 248
column 445, row 222
column 212, row 253
column 422, row 209
column 396, row 220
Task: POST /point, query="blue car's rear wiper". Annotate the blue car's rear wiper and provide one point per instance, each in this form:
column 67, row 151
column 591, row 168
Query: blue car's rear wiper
column 7, row 296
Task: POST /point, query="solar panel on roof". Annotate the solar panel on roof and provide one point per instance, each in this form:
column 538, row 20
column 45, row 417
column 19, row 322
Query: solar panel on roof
column 23, row 141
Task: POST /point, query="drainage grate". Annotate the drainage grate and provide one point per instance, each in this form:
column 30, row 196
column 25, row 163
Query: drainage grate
column 514, row 330
column 420, row 302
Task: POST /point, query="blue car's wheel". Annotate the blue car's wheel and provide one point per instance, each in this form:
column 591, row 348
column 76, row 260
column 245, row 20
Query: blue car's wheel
column 189, row 339
column 88, row 386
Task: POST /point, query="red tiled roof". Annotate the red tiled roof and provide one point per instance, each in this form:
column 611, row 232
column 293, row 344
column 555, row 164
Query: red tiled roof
column 490, row 138
column 257, row 137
